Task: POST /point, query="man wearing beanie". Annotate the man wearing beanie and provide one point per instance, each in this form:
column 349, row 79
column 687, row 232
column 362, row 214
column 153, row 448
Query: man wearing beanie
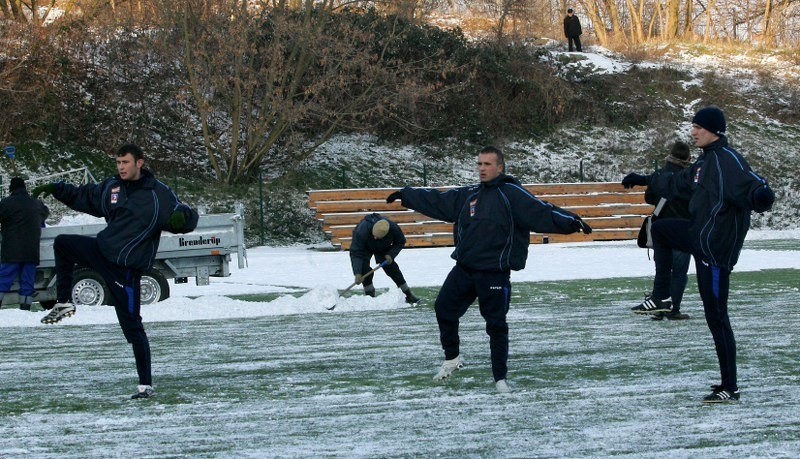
column 722, row 190
column 21, row 220
column 380, row 237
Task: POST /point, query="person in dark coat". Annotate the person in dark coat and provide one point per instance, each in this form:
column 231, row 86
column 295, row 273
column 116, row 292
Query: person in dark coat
column 380, row 237
column 677, row 160
column 492, row 225
column 572, row 30
column 722, row 190
column 137, row 207
column 21, row 221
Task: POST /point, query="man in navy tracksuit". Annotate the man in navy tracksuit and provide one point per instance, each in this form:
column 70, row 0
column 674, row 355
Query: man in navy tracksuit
column 137, row 207
column 722, row 191
column 380, row 237
column 492, row 225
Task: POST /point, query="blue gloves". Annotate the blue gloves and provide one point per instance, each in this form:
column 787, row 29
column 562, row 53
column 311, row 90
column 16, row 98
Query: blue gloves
column 394, row 197
column 177, row 220
column 763, row 198
column 580, row 225
column 631, row 180
column 45, row 190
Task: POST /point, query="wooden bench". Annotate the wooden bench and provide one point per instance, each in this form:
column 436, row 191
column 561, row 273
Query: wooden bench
column 613, row 212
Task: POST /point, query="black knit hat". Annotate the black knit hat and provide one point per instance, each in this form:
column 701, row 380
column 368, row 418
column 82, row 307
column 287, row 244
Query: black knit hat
column 16, row 183
column 569, row 10
column 711, row 119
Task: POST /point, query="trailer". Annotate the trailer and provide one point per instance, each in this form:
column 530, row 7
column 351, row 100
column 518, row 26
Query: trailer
column 204, row 253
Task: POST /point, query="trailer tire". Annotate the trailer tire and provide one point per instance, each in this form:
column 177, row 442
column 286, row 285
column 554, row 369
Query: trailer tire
column 89, row 288
column 155, row 287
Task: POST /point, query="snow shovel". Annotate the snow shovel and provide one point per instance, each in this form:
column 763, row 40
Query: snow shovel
column 383, row 263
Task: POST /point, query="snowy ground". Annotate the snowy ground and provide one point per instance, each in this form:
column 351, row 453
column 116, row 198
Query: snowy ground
column 287, row 378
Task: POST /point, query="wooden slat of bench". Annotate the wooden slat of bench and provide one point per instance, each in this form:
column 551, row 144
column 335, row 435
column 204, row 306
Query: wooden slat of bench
column 433, row 226
column 368, row 205
column 537, row 189
column 446, row 239
column 352, row 218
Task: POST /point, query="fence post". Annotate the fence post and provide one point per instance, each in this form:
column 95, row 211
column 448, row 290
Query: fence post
column 261, row 206
column 581, row 170
column 655, row 165
column 175, row 185
column 425, row 174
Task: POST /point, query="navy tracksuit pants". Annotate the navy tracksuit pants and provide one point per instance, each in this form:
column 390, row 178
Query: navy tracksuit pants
column 493, row 291
column 713, row 283
column 124, row 284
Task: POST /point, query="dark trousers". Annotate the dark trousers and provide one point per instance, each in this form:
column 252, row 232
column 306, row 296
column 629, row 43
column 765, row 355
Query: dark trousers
column 459, row 291
column 713, row 283
column 577, row 41
column 27, row 277
column 123, row 284
column 679, row 277
column 392, row 270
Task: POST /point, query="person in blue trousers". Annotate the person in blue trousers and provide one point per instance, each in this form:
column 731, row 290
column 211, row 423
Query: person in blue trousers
column 21, row 221
column 492, row 225
column 136, row 207
column 722, row 190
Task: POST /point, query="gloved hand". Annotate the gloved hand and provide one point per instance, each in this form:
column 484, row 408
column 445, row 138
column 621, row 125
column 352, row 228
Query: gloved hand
column 631, row 180
column 394, row 197
column 389, row 259
column 359, row 279
column 763, row 198
column 177, row 220
column 46, row 190
column 580, row 225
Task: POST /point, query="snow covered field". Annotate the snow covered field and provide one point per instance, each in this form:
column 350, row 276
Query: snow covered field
column 287, row 378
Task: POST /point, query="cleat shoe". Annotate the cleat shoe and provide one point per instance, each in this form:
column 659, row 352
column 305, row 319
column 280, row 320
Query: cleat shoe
column 651, row 305
column 502, row 387
column 448, row 368
column 59, row 311
column 411, row 299
column 720, row 395
column 672, row 315
column 143, row 391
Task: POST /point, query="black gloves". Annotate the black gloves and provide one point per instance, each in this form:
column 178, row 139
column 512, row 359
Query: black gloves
column 763, row 197
column 580, row 225
column 177, row 220
column 47, row 189
column 631, row 180
column 394, row 197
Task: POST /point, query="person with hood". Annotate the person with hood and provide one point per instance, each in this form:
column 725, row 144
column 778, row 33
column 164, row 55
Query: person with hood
column 572, row 30
column 492, row 222
column 722, row 191
column 380, row 237
column 21, row 221
column 136, row 207
column 677, row 160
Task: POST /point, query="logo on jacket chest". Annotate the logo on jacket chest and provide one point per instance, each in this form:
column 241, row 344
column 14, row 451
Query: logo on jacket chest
column 472, row 206
column 697, row 174
column 115, row 195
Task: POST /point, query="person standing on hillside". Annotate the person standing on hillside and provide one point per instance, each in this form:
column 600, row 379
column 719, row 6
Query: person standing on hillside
column 677, row 160
column 572, row 30
column 21, row 220
column 380, row 237
column 492, row 224
column 722, row 190
column 137, row 207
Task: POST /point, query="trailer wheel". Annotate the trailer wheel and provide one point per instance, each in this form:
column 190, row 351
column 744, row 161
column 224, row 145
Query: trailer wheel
column 89, row 288
column 154, row 287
